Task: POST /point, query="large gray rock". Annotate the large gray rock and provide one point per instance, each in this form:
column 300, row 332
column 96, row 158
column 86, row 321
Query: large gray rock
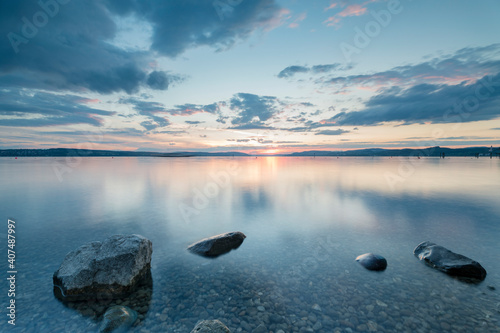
column 118, row 319
column 109, row 269
column 210, row 326
column 373, row 262
column 449, row 262
column 217, row 245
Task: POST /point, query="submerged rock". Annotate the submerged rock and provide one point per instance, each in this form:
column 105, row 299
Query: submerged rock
column 210, row 326
column 449, row 262
column 118, row 318
column 373, row 262
column 217, row 245
column 109, row 269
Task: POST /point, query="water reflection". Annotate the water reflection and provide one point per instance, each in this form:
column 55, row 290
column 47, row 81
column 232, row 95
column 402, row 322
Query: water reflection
column 306, row 220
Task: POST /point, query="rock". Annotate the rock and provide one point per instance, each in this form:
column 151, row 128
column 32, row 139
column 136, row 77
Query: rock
column 260, row 329
column 110, row 269
column 449, row 262
column 373, row 262
column 316, row 307
column 210, row 326
column 217, row 245
column 118, row 318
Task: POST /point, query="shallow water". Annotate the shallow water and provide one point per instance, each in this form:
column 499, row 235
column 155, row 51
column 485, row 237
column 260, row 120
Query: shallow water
column 306, row 220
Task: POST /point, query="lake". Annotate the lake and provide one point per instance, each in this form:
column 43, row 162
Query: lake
column 306, row 220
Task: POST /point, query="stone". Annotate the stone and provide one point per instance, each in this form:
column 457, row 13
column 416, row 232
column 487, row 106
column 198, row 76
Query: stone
column 449, row 262
column 260, row 329
column 316, row 307
column 118, row 318
column 215, row 246
column 107, row 270
column 210, row 326
column 372, row 262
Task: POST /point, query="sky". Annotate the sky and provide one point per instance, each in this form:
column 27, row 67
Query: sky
column 255, row 76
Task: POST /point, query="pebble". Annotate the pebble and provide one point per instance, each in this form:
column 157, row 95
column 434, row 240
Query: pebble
column 316, row 307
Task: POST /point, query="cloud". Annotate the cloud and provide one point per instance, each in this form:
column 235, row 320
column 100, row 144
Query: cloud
column 152, row 110
column 182, row 24
column 430, row 103
column 193, row 122
column 160, row 80
column 467, row 64
column 331, row 132
column 75, row 49
column 189, row 109
column 295, row 24
column 19, row 108
column 252, row 110
column 290, row 71
column 353, row 9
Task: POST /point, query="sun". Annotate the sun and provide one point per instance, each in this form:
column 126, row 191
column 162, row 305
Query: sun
column 271, row 151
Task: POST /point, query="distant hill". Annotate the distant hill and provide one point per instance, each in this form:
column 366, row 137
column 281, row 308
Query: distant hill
column 431, row 151
column 54, row 152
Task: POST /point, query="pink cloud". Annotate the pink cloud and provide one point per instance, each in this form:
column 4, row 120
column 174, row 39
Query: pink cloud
column 299, row 18
column 88, row 100
column 349, row 11
column 333, row 5
column 353, row 10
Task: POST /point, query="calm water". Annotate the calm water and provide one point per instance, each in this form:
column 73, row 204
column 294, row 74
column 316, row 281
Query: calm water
column 306, row 220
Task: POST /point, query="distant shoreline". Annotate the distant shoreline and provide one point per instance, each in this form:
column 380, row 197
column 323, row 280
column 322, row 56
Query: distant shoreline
column 423, row 152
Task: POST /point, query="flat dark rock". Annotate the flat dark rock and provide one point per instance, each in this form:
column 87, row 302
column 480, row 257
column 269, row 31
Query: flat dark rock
column 215, row 246
column 449, row 262
column 373, row 262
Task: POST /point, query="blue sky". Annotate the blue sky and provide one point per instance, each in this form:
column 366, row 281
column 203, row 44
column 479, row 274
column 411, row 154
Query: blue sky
column 256, row 76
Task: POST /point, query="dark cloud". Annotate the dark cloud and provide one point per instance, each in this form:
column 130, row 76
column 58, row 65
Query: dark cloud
column 70, row 52
column 183, row 24
column 70, row 46
column 307, row 104
column 466, row 64
column 292, row 70
column 251, row 126
column 152, row 110
column 189, row 109
column 45, row 109
column 172, row 132
column 430, row 103
column 159, row 80
column 252, row 110
column 193, row 122
column 332, row 132
column 317, row 69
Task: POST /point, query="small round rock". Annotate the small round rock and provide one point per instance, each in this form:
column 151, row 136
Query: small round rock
column 372, row 262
